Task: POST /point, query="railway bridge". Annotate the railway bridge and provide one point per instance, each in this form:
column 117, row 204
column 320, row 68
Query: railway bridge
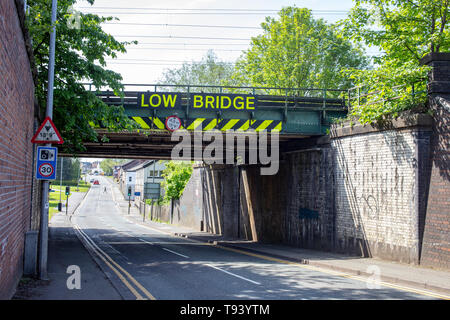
column 294, row 113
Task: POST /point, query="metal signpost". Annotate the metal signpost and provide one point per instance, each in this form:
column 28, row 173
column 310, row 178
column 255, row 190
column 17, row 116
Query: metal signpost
column 46, row 163
column 129, row 199
column 60, row 186
column 67, row 198
column 46, row 135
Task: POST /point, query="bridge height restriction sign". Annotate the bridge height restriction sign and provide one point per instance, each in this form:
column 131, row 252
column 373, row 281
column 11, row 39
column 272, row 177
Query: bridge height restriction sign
column 47, row 133
column 46, row 163
column 173, row 123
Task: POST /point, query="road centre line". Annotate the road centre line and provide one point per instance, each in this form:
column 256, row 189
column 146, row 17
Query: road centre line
column 232, row 274
column 150, row 243
column 147, row 242
column 130, row 235
column 179, row 254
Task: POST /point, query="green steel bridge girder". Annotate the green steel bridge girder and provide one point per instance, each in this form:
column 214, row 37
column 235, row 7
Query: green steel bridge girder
column 290, row 114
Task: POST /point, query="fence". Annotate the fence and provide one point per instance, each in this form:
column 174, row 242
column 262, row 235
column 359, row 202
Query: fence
column 363, row 96
column 154, row 212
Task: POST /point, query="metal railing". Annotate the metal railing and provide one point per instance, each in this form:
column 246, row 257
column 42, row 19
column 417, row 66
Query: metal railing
column 318, row 95
column 361, row 95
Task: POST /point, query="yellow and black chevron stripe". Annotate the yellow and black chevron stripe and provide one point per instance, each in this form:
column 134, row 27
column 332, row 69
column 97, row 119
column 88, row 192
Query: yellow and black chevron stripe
column 151, row 122
column 211, row 124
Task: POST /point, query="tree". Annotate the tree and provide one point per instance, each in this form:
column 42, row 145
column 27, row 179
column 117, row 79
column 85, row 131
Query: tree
column 107, row 165
column 209, row 71
column 297, row 51
column 405, row 30
column 79, row 57
column 70, row 173
column 176, row 176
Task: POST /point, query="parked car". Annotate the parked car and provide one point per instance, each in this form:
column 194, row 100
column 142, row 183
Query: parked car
column 92, row 180
column 96, row 182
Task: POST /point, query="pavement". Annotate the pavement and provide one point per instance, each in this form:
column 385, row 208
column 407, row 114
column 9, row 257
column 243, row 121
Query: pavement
column 64, row 250
column 389, row 272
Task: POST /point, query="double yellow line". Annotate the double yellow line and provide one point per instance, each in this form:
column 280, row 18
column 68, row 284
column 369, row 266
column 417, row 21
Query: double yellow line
column 123, row 275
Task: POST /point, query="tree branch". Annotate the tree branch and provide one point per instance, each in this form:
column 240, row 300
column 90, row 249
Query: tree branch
column 35, row 51
column 443, row 10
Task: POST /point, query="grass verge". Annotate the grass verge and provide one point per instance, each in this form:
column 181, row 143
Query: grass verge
column 54, row 196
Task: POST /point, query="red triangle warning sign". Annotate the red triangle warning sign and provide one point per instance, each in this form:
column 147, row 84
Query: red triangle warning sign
column 47, row 133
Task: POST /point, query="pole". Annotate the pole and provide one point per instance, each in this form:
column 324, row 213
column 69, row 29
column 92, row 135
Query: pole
column 154, row 161
column 67, row 203
column 60, row 183
column 43, row 241
column 129, row 203
column 151, row 212
column 143, row 217
column 78, row 178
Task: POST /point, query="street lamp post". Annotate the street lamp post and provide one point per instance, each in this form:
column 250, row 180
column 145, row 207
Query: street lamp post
column 43, row 241
column 60, row 186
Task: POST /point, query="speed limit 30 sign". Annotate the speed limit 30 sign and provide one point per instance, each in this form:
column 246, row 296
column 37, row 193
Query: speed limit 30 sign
column 46, row 163
column 46, row 170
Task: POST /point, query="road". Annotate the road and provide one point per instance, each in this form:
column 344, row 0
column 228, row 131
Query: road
column 144, row 263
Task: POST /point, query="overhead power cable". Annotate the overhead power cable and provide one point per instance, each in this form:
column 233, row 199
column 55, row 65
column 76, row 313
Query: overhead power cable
column 152, row 64
column 194, row 44
column 208, row 10
column 183, row 49
column 166, row 12
column 162, row 60
column 181, row 37
column 179, row 25
column 176, row 9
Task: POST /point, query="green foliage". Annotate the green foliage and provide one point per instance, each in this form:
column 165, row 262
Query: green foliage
column 298, row 51
column 71, row 171
column 405, row 30
column 79, row 57
column 107, row 165
column 209, row 71
column 387, row 91
column 176, row 176
column 159, row 202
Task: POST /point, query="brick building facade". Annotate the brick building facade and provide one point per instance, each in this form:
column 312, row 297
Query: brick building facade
column 17, row 110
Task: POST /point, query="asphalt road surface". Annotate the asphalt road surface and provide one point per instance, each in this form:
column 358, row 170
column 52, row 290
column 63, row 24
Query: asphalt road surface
column 144, row 263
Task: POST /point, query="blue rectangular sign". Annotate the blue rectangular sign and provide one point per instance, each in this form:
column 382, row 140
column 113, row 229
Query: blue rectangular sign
column 137, row 193
column 46, row 163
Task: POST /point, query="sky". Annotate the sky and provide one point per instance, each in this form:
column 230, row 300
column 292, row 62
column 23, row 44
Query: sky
column 171, row 32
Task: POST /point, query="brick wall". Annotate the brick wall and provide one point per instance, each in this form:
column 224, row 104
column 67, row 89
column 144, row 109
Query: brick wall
column 310, row 196
column 361, row 193
column 16, row 151
column 377, row 197
column 436, row 240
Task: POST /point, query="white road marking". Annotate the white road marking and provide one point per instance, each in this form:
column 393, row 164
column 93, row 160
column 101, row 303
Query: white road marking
column 232, row 274
column 145, row 241
column 179, row 254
